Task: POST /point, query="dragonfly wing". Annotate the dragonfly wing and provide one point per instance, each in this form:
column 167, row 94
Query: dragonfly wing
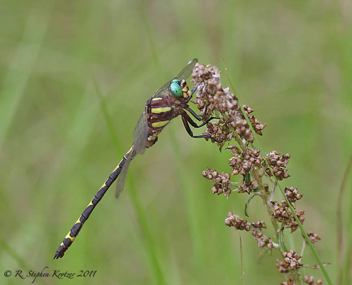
column 140, row 137
column 163, row 89
column 140, row 134
column 122, row 177
column 187, row 71
column 183, row 75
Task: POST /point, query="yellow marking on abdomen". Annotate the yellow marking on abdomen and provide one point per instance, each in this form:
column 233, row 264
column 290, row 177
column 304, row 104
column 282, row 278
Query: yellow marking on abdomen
column 69, row 237
column 160, row 124
column 157, row 99
column 160, row 110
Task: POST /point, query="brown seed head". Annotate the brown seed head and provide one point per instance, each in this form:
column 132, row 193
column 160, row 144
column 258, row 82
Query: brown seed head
column 313, row 237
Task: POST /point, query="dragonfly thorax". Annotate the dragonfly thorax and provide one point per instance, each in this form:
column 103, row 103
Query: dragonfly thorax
column 163, row 107
column 160, row 111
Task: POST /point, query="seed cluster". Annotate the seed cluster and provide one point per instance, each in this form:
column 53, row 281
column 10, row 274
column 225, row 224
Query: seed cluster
column 235, row 221
column 257, row 126
column 221, row 180
column 292, row 196
column 247, row 187
column 262, row 239
column 244, row 162
column 313, row 237
column 278, row 164
column 218, row 130
column 290, row 262
column 211, row 91
column 241, row 163
column 284, row 216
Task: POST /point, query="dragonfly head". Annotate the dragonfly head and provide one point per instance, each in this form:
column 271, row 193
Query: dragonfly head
column 179, row 89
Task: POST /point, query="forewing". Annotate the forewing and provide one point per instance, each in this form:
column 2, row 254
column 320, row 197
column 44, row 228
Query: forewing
column 140, row 137
column 187, row 71
column 163, row 89
column 140, row 134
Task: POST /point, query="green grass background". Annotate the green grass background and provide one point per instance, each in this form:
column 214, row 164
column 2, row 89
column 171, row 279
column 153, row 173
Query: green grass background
column 290, row 61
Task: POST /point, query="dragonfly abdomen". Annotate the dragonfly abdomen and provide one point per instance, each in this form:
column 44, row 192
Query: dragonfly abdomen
column 72, row 234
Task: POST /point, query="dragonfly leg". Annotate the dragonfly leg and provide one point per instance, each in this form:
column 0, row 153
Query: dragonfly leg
column 186, row 119
column 199, row 118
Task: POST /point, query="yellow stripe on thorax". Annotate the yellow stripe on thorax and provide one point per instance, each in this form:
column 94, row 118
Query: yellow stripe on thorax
column 160, row 124
column 160, row 110
column 157, row 99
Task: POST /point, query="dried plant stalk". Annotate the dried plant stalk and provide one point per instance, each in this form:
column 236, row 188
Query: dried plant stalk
column 260, row 173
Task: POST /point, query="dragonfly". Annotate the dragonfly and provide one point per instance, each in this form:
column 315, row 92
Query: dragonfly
column 169, row 102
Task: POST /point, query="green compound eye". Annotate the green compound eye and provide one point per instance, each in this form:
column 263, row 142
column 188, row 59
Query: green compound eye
column 175, row 88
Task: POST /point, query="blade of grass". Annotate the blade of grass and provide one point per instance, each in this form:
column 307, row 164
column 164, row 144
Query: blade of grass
column 344, row 262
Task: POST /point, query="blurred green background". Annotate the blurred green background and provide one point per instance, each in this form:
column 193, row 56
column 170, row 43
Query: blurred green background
column 290, row 61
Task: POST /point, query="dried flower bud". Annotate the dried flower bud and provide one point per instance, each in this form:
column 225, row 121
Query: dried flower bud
column 236, row 222
column 313, row 237
column 292, row 259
